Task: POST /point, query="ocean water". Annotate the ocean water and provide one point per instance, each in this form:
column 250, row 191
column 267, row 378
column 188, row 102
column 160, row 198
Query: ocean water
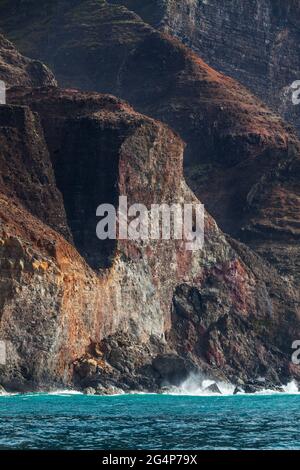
column 174, row 422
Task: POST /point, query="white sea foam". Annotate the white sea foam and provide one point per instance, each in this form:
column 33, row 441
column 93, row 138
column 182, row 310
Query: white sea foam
column 196, row 385
column 65, row 392
column 6, row 394
column 291, row 388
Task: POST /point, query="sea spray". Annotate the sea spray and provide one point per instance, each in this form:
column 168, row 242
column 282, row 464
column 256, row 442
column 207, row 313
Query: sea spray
column 291, row 388
column 200, row 385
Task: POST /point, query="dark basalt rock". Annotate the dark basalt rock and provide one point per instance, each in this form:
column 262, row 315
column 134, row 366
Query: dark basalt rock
column 255, row 386
column 213, row 388
column 172, row 369
column 238, row 389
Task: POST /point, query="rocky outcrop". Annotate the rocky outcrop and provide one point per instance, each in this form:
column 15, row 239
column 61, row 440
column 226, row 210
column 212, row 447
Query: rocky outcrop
column 256, row 42
column 17, row 70
column 235, row 145
column 156, row 312
column 27, row 175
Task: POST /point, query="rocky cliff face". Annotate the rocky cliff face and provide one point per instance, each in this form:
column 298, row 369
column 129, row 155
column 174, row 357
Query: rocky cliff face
column 16, row 69
column 235, row 145
column 255, row 42
column 158, row 311
column 26, row 175
column 133, row 314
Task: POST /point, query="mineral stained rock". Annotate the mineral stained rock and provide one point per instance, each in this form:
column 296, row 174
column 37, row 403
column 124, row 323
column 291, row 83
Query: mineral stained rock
column 136, row 315
column 155, row 312
column 241, row 159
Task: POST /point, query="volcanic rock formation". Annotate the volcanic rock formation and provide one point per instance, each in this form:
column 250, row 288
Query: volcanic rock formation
column 139, row 314
column 156, row 312
column 241, row 160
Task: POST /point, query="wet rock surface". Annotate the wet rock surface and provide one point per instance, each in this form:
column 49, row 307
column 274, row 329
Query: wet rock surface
column 213, row 388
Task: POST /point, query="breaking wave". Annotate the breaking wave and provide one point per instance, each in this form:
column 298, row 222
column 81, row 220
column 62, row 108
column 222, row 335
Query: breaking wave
column 195, row 385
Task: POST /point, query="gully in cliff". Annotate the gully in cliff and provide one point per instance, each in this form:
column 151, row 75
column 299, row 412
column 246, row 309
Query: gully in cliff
column 161, row 222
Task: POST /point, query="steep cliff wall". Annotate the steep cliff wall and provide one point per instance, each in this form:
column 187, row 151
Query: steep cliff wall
column 140, row 314
column 27, row 175
column 255, row 42
column 158, row 311
column 234, row 143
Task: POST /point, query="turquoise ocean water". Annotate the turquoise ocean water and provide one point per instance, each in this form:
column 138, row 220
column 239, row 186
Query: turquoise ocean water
column 73, row 421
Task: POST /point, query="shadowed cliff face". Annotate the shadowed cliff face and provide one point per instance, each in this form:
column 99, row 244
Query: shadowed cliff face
column 86, row 168
column 158, row 312
column 255, row 42
column 85, row 155
column 234, row 143
column 85, row 148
